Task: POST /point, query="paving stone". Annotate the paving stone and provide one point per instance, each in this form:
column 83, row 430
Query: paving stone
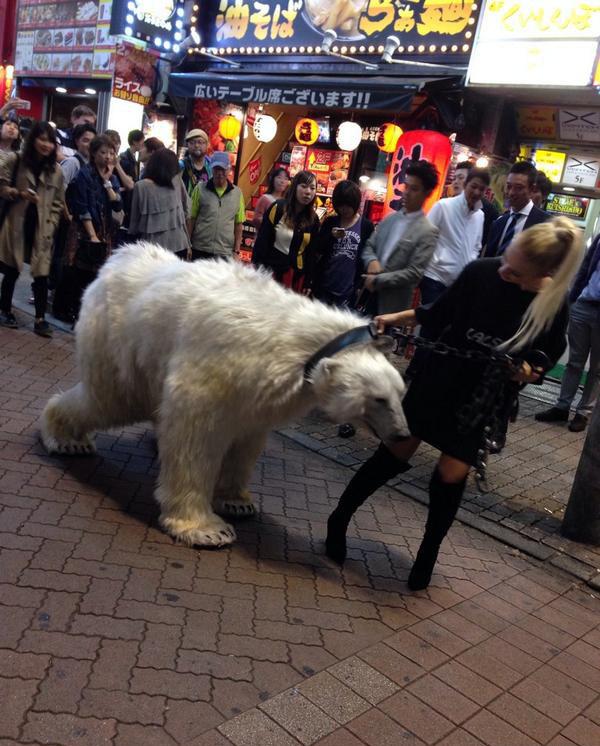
column 170, row 683
column 122, row 706
column 254, row 728
column 60, row 691
column 417, row 717
column 336, row 699
column 525, row 718
column 375, row 728
column 364, row 680
column 443, row 698
column 68, row 729
column 299, row 716
column 16, row 697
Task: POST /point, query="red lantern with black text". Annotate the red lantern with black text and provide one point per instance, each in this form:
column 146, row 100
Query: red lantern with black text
column 388, row 136
column 412, row 146
column 307, row 131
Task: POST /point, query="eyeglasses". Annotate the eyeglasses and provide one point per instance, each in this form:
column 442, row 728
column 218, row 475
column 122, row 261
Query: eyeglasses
column 197, row 141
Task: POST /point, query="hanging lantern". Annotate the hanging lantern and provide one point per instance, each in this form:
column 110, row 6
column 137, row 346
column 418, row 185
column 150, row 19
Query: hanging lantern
column 388, row 136
column 229, row 127
column 265, row 128
column 417, row 145
column 307, row 131
column 349, row 135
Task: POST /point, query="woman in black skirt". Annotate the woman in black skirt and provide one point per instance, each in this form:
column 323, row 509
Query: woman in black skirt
column 514, row 304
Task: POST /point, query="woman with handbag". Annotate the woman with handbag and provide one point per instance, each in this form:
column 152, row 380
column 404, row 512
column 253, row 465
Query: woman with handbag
column 95, row 203
column 515, row 304
column 32, row 186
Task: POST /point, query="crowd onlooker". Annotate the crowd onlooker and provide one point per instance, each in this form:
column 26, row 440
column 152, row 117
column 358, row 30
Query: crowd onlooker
column 541, row 190
column 81, row 114
column 195, row 165
column 286, row 240
column 129, row 158
column 279, row 181
column 490, row 213
column 33, row 186
column 217, row 214
column 10, row 135
column 157, row 210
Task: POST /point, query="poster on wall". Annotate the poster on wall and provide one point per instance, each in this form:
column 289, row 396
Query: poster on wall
column 579, row 124
column 65, row 38
column 582, row 170
column 329, row 167
column 135, row 74
column 569, row 205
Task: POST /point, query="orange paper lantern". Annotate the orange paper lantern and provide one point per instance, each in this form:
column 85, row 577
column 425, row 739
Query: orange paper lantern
column 307, row 131
column 229, row 127
column 388, row 136
column 417, row 145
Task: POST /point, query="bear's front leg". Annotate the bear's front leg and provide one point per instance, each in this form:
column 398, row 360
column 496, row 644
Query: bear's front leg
column 191, row 451
column 232, row 498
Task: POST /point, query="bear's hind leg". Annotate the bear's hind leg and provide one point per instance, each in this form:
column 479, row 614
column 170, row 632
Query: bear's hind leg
column 67, row 421
column 232, row 498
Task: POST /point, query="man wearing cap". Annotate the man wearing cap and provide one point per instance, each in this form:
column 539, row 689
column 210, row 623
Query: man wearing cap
column 218, row 213
column 195, row 166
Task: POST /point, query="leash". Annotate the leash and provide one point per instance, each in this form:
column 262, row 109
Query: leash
column 356, row 336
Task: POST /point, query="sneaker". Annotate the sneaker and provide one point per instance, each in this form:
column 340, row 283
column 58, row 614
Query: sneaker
column 42, row 328
column 8, row 320
column 578, row 423
column 554, row 414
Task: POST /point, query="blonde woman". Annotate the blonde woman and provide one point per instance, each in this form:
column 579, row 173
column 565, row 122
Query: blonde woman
column 516, row 304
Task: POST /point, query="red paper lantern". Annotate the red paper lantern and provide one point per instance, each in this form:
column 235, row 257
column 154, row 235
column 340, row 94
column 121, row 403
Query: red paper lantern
column 388, row 136
column 307, row 131
column 417, row 145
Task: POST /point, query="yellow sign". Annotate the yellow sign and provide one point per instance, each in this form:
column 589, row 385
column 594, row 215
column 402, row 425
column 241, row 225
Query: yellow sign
column 537, row 122
column 551, row 163
column 597, row 75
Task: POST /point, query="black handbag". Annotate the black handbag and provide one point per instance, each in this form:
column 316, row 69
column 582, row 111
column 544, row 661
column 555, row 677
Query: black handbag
column 90, row 255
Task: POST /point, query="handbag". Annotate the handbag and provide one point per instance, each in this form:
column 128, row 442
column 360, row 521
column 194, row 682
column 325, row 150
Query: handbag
column 90, row 255
column 5, row 204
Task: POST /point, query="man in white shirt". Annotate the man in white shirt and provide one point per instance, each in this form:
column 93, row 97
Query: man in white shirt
column 459, row 221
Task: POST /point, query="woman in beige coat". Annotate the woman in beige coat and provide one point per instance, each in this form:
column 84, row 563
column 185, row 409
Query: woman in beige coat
column 32, row 185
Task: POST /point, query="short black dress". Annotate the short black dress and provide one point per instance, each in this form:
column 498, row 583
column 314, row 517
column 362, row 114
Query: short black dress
column 478, row 311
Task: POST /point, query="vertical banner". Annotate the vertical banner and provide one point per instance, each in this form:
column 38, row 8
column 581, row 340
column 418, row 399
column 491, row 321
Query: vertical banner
column 6, row 81
column 417, row 145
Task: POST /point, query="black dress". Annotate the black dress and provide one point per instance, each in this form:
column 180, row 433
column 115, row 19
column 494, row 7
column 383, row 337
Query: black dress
column 478, row 311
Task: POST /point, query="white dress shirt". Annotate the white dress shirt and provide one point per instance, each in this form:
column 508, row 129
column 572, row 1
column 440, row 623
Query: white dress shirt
column 524, row 214
column 459, row 242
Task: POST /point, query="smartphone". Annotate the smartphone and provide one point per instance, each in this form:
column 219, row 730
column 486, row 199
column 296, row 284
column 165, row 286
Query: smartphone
column 24, row 105
column 338, row 232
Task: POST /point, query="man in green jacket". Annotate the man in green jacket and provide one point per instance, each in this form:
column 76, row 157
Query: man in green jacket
column 218, row 213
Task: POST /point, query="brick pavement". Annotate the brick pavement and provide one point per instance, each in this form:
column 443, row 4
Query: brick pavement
column 112, row 634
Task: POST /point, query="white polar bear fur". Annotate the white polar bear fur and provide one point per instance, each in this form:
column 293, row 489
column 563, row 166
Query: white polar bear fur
column 213, row 354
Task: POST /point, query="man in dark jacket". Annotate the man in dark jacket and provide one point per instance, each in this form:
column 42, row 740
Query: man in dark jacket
column 584, row 341
column 522, row 213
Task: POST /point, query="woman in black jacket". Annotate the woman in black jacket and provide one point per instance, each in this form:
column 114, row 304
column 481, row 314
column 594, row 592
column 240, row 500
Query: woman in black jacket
column 285, row 243
column 516, row 304
column 339, row 247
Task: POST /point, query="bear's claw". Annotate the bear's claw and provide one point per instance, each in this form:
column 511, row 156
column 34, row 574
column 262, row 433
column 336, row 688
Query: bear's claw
column 83, row 447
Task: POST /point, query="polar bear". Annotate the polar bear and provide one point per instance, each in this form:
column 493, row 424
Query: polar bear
column 213, row 354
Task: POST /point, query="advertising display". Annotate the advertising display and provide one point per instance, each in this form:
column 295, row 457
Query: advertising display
column 536, row 42
column 551, row 163
column 329, row 167
column 581, row 170
column 135, row 74
column 568, row 205
column 64, row 38
column 579, row 124
column 436, row 28
column 537, row 122
column 157, row 22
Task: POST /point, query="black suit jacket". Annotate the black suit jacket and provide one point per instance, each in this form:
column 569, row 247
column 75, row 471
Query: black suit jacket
column 492, row 247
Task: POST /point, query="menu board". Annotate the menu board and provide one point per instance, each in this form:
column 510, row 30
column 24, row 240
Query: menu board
column 328, row 166
column 64, row 39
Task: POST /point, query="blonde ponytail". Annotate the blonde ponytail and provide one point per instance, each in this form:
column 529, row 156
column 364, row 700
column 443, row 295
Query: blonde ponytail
column 555, row 248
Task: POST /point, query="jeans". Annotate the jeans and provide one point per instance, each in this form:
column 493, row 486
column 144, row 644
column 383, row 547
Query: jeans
column 430, row 290
column 584, row 340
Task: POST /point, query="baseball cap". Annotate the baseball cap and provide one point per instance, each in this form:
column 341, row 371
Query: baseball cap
column 220, row 160
column 196, row 133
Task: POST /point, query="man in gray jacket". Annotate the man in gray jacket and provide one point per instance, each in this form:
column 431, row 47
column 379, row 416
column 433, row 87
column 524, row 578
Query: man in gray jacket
column 399, row 251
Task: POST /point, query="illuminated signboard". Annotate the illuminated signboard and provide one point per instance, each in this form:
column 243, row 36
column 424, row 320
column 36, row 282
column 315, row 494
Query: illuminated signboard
column 156, row 22
column 536, row 42
column 551, row 163
column 435, row 28
column 571, row 206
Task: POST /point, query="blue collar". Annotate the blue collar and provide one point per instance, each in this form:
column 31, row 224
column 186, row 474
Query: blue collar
column 358, row 335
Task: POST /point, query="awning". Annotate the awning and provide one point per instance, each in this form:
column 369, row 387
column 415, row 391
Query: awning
column 330, row 92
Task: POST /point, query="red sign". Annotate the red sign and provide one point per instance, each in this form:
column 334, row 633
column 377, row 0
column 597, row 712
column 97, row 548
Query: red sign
column 414, row 146
column 254, row 168
column 6, row 81
column 135, row 74
column 328, row 166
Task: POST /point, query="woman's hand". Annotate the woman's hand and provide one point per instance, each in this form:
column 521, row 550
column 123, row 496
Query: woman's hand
column 12, row 194
column 527, row 374
column 29, row 195
column 403, row 318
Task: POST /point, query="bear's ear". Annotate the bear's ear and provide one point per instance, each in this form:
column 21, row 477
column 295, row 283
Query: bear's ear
column 324, row 370
column 384, row 343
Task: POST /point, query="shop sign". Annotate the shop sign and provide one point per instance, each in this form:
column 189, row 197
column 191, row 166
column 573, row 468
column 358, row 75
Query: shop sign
column 579, row 124
column 551, row 163
column 570, row 206
column 135, row 74
column 68, row 39
column 328, row 166
column 536, row 42
column 156, row 22
column 417, row 145
column 537, row 122
column 254, row 169
column 288, row 91
column 581, row 170
column 438, row 28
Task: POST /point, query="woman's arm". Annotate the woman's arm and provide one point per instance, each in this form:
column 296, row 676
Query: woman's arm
column 126, row 181
column 402, row 318
column 58, row 201
column 264, row 240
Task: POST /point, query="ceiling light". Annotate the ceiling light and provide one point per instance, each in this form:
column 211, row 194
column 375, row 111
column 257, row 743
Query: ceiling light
column 482, row 162
column 60, row 89
column 90, row 91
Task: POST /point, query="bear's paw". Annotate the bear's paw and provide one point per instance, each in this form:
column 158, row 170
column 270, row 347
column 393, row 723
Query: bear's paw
column 83, row 447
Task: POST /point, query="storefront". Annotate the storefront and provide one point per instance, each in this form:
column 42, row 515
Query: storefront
column 337, row 99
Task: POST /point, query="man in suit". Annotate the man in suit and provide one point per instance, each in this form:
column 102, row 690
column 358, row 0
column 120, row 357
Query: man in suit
column 522, row 213
column 584, row 342
column 400, row 249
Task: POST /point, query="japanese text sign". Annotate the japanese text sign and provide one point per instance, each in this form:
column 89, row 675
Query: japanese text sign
column 134, row 74
column 536, row 42
column 581, row 170
column 537, row 122
column 551, row 162
column 432, row 27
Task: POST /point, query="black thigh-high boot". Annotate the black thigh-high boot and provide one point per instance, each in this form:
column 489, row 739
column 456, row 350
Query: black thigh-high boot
column 374, row 473
column 444, row 499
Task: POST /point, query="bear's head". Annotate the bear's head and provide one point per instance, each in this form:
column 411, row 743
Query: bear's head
column 360, row 385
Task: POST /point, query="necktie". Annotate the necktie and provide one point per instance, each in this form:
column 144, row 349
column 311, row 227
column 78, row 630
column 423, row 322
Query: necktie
column 510, row 232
